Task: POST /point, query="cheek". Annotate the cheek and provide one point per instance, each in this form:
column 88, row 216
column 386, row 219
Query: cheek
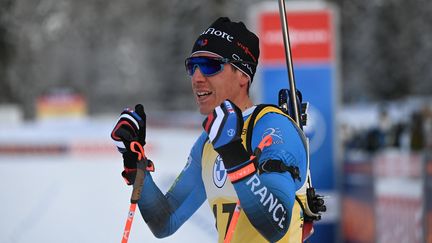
column 226, row 91
column 233, row 87
column 227, row 87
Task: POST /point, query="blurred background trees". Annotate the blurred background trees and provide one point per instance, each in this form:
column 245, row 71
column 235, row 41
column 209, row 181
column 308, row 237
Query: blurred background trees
column 118, row 53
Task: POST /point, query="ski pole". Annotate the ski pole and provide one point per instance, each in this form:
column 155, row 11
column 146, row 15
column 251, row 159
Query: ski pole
column 308, row 229
column 233, row 223
column 137, row 148
column 288, row 56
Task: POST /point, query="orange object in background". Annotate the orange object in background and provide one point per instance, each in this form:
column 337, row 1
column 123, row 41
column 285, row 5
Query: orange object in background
column 429, row 227
column 358, row 220
column 428, row 194
column 61, row 104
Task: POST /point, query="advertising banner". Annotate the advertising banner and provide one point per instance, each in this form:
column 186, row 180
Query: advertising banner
column 312, row 35
column 399, row 196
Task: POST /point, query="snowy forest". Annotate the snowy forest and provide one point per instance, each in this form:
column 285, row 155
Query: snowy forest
column 124, row 52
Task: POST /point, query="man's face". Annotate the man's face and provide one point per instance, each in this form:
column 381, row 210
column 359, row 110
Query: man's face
column 211, row 91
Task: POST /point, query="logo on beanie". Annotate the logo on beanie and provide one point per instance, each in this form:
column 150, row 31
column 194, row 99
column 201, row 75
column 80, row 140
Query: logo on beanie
column 202, row 42
column 246, row 51
column 237, row 58
column 218, row 33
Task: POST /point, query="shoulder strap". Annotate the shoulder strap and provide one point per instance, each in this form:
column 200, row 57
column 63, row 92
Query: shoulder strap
column 259, row 112
column 250, row 123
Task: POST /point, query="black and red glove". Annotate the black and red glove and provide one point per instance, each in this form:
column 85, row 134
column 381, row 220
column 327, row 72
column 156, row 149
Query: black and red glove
column 224, row 127
column 131, row 126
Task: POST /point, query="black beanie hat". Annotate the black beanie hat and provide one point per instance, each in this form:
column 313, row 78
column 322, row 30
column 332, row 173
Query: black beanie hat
column 230, row 40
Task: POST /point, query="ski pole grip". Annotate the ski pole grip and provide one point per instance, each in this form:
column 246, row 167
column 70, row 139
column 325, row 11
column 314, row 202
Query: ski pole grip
column 139, row 181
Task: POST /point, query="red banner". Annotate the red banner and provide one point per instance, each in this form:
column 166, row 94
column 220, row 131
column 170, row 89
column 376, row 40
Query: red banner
column 310, row 35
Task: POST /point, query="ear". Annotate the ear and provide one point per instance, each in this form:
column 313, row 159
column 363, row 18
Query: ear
column 244, row 79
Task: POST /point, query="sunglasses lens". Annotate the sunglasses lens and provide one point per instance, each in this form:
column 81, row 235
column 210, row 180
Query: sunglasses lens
column 207, row 66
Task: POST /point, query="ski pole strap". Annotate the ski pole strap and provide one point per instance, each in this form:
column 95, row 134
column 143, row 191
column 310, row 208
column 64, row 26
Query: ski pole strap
column 249, row 167
column 139, row 182
column 143, row 164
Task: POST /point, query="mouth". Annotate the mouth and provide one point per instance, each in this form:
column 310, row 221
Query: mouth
column 203, row 94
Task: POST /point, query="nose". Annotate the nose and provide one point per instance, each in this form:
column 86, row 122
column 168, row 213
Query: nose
column 194, row 67
column 197, row 75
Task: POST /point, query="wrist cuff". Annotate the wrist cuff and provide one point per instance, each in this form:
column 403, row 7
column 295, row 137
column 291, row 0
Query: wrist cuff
column 243, row 171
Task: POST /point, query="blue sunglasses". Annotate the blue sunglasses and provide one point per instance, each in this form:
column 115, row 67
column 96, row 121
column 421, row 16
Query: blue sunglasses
column 208, row 65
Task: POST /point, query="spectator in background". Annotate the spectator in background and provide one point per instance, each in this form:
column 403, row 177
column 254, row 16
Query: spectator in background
column 427, row 127
column 379, row 136
column 417, row 136
column 384, row 127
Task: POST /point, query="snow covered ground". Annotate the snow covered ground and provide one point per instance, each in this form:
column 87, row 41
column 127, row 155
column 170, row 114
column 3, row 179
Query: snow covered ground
column 80, row 196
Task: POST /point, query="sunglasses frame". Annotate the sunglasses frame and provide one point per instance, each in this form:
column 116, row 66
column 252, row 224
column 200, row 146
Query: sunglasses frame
column 221, row 61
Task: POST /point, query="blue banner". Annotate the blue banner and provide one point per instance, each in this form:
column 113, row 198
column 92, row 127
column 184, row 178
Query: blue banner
column 316, row 83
